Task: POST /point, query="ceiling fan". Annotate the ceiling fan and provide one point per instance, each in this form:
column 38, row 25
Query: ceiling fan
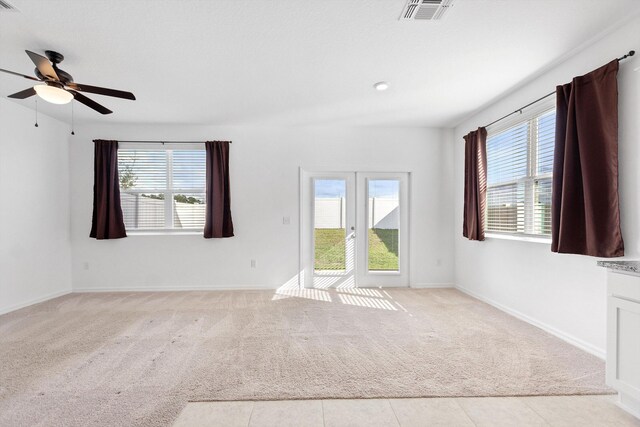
column 58, row 86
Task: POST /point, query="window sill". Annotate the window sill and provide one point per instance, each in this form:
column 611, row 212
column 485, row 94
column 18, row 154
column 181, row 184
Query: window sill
column 164, row 233
column 521, row 238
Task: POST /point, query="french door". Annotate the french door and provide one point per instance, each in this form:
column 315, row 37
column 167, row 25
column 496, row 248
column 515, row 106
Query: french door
column 354, row 229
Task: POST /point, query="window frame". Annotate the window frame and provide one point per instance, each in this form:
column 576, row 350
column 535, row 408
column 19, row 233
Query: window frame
column 528, row 115
column 169, row 190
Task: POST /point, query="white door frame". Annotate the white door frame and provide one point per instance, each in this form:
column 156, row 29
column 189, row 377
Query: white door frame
column 306, row 256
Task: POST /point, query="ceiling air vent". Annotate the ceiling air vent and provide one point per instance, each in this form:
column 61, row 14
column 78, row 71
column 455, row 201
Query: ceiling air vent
column 5, row 6
column 424, row 10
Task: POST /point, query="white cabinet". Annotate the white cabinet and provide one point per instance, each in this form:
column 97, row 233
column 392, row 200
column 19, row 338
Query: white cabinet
column 623, row 338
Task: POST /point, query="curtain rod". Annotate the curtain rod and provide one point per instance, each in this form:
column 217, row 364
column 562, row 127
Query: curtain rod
column 169, row 142
column 519, row 110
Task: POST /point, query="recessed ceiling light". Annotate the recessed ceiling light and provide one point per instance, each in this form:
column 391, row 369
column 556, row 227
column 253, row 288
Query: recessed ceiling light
column 381, row 86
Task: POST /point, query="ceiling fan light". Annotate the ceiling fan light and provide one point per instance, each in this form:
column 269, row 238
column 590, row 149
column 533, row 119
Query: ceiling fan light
column 53, row 94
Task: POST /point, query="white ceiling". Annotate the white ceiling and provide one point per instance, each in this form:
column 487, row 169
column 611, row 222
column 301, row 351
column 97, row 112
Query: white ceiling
column 295, row 62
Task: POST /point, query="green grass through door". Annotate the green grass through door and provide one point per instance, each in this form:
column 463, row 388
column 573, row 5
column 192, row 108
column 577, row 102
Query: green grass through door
column 330, row 248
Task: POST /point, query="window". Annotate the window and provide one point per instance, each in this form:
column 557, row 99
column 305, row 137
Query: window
column 519, row 169
column 162, row 189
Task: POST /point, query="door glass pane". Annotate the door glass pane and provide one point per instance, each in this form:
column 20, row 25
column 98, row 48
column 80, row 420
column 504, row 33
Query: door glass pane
column 383, row 224
column 329, row 224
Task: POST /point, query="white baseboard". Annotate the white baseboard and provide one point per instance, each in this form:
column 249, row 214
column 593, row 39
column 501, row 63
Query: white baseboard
column 4, row 310
column 577, row 342
column 175, row 288
column 629, row 404
column 431, row 285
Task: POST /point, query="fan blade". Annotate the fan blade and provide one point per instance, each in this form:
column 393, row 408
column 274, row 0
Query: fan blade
column 18, row 74
column 90, row 103
column 43, row 64
column 23, row 94
column 102, row 91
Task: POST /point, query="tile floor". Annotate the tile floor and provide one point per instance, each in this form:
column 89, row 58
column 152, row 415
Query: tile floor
column 572, row 411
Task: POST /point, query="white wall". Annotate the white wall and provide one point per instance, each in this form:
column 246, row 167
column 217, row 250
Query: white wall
column 565, row 293
column 265, row 183
column 35, row 248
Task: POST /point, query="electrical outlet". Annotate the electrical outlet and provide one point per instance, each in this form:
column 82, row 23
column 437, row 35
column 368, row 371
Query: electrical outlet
column 253, row 263
column 286, row 220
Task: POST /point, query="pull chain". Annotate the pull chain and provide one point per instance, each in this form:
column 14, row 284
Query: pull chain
column 36, row 113
column 72, row 131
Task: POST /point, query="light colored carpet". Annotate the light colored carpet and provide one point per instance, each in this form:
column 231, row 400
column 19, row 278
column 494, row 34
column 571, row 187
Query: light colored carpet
column 137, row 358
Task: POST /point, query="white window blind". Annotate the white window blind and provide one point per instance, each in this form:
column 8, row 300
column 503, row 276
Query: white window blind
column 162, row 189
column 519, row 170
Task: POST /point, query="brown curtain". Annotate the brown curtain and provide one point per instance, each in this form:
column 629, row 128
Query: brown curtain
column 218, row 222
column 475, row 184
column 584, row 205
column 107, row 222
